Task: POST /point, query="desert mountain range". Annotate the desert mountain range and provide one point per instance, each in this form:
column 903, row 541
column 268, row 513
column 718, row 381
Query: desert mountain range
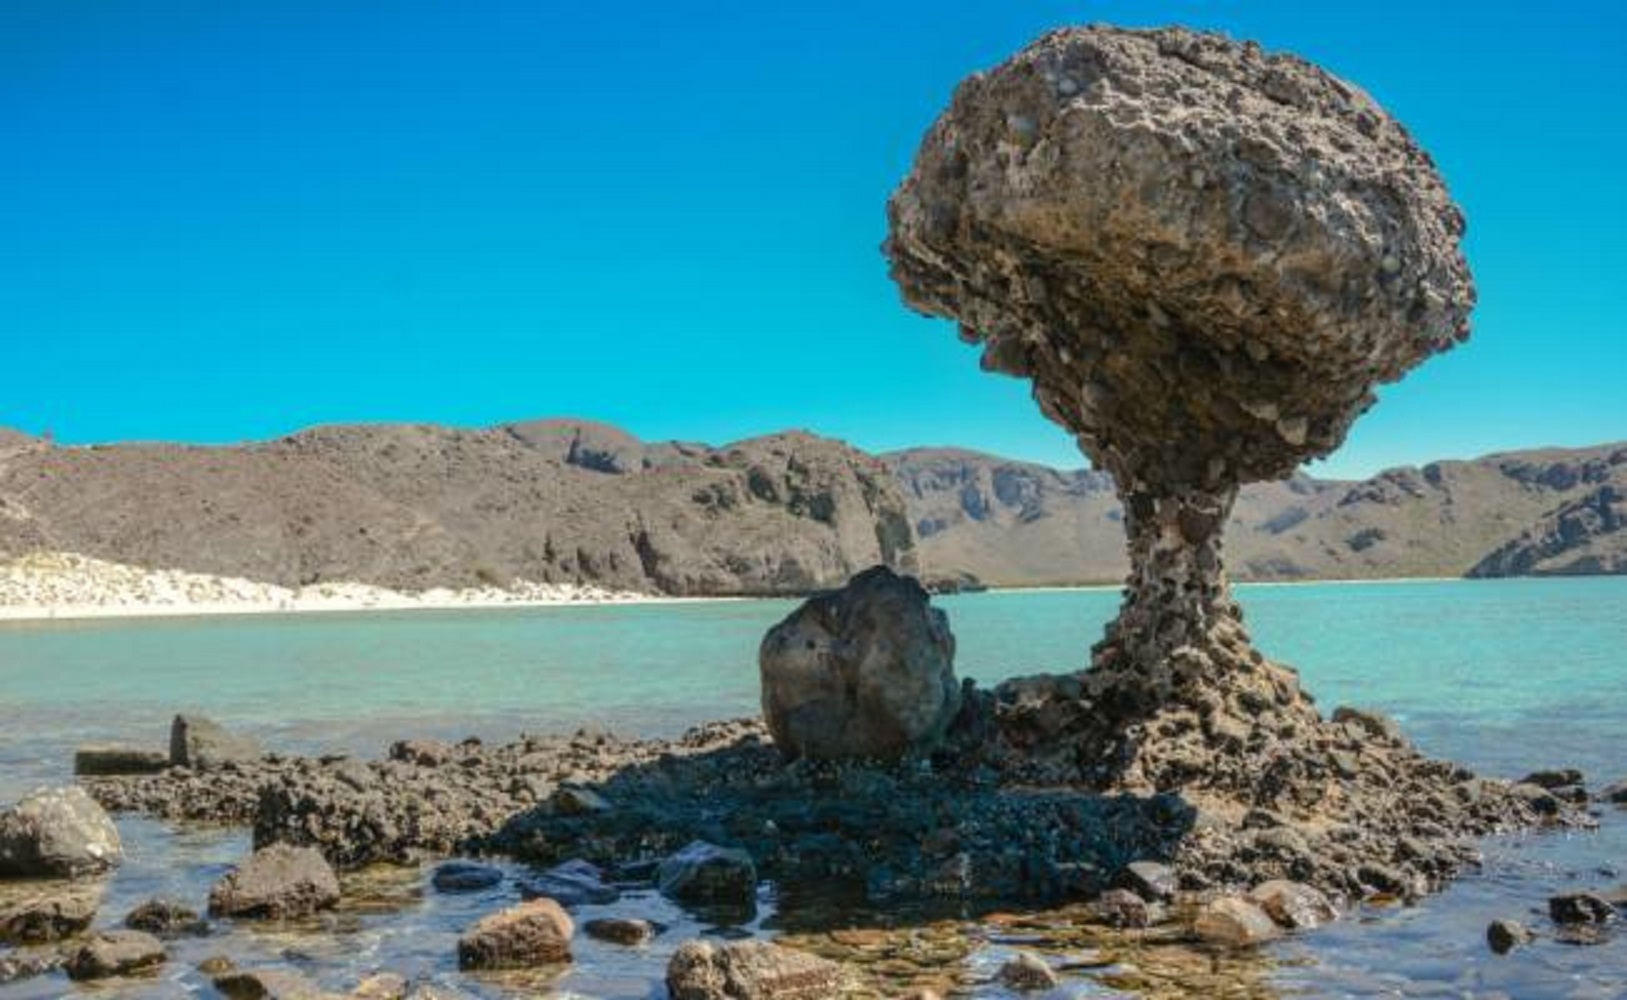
column 415, row 506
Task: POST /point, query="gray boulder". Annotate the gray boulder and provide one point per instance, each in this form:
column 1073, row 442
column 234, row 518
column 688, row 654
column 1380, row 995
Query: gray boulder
column 201, row 744
column 864, row 671
column 57, row 833
column 277, row 882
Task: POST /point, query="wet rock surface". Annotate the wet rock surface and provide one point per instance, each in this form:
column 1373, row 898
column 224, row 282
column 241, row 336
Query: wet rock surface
column 114, row 953
column 751, row 970
column 863, row 671
column 277, row 882
column 531, row 934
column 57, row 833
column 166, row 918
column 38, row 912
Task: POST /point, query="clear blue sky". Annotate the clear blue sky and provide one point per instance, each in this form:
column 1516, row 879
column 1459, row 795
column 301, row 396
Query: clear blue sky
column 222, row 221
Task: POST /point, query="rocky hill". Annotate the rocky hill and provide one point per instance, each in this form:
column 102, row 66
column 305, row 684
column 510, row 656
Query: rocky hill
column 568, row 501
column 410, row 507
column 1537, row 512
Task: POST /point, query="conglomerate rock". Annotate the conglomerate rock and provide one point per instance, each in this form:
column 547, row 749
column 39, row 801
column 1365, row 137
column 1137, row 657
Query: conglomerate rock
column 1204, row 257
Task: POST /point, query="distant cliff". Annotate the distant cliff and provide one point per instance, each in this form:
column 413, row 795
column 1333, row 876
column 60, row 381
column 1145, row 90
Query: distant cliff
column 416, row 506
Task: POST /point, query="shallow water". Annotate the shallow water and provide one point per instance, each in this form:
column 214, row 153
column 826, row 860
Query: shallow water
column 1507, row 676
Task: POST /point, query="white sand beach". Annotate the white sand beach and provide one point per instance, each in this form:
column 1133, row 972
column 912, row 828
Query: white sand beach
column 64, row 585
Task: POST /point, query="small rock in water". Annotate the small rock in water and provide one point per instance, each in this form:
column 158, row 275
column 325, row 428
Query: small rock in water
column 267, row 984
column 380, row 986
column 707, row 873
column 216, row 965
column 1149, row 879
column 751, row 970
column 619, row 930
column 48, row 913
column 202, row 744
column 1123, row 908
column 277, row 882
column 1235, row 922
column 465, row 876
column 1294, row 905
column 1026, row 971
column 101, row 759
column 572, row 884
column 1615, row 792
column 1557, row 778
column 57, row 833
column 1580, row 908
column 114, row 953
column 1505, row 935
column 165, row 918
column 530, row 934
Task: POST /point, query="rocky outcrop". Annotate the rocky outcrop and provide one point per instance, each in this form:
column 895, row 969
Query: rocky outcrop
column 57, row 833
column 1583, row 536
column 277, row 882
column 751, row 970
column 864, row 671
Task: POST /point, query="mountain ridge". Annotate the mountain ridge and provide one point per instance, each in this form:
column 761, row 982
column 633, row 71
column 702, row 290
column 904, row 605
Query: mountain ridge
column 569, row 500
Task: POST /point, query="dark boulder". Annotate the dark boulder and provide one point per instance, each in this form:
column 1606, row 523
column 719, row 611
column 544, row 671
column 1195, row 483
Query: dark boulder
column 202, row 744
column 705, row 873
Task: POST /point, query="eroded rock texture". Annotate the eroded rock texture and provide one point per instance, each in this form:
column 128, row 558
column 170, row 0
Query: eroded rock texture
column 1204, row 257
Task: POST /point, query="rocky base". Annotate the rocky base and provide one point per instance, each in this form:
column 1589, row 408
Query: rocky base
column 1018, row 806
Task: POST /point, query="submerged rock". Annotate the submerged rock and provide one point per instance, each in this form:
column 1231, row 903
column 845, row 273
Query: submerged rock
column 530, row 934
column 115, row 953
column 620, row 930
column 268, row 984
column 1235, row 922
column 707, row 873
column 166, row 918
column 203, row 744
column 1503, row 936
column 1027, row 971
column 572, row 884
column 751, row 970
column 465, row 876
column 277, row 882
column 1580, row 908
column 864, row 671
column 57, row 833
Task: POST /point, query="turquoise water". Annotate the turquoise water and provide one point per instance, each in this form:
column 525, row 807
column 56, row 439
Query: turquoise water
column 1507, row 676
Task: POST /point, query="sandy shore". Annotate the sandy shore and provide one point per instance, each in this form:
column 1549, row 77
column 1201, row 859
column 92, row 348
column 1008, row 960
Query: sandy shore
column 65, row 586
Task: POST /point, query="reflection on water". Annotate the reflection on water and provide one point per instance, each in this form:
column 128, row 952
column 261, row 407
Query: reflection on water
column 1508, row 676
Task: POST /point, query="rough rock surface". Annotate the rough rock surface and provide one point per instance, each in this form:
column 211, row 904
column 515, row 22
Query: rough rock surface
column 707, row 873
column 530, row 934
column 1582, row 536
column 57, row 833
column 203, row 744
column 1235, row 922
column 864, row 671
column 276, row 882
column 751, row 970
column 115, row 953
column 37, row 912
column 109, row 758
column 165, row 918
column 1293, row 905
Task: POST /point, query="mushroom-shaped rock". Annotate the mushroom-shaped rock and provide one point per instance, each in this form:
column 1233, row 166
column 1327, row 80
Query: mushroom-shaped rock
column 864, row 671
column 1205, row 257
column 57, row 833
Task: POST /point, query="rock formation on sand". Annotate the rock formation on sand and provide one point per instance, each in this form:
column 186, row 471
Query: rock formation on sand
column 1204, row 257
